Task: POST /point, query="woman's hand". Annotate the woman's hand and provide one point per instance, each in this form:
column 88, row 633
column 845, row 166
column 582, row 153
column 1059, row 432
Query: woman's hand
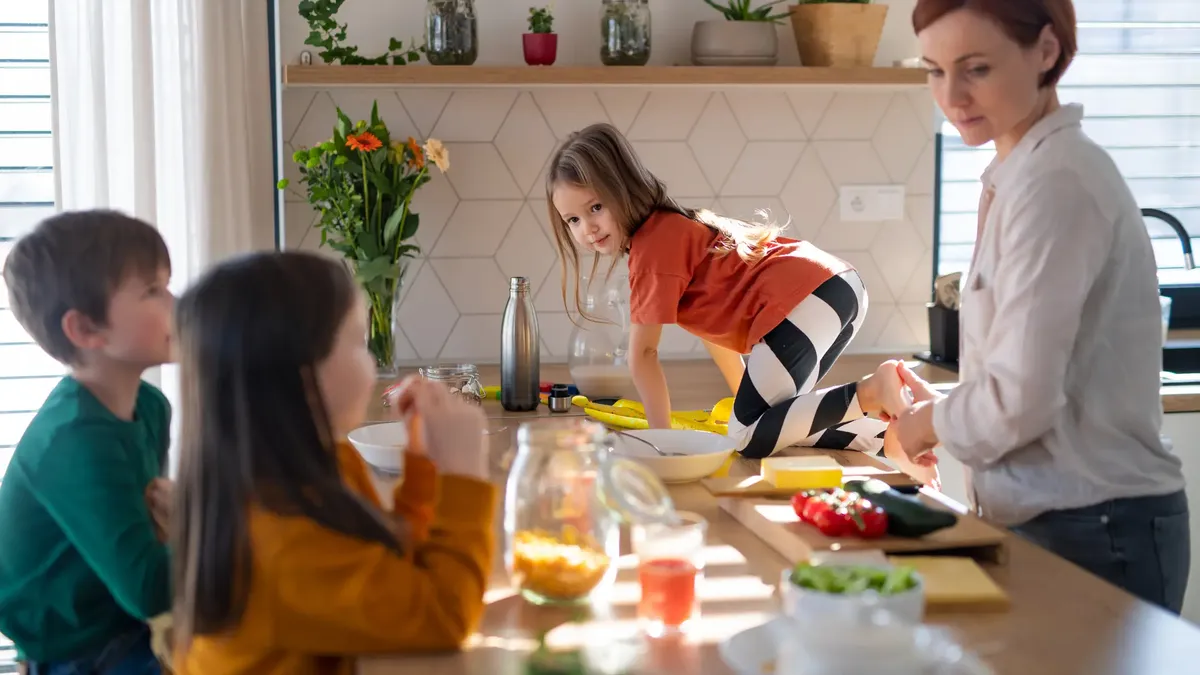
column 448, row 429
column 923, row 468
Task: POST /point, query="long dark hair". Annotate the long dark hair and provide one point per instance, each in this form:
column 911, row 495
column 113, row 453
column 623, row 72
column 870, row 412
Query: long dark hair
column 254, row 428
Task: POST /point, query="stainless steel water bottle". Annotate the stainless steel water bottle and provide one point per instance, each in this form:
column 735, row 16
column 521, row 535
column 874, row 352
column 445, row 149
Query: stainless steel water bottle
column 520, row 350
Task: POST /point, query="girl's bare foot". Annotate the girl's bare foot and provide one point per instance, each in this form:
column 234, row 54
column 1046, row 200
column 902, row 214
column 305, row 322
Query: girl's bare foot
column 883, row 393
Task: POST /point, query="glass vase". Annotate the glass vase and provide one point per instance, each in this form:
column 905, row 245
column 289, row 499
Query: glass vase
column 598, row 351
column 384, row 307
column 451, row 33
column 625, row 33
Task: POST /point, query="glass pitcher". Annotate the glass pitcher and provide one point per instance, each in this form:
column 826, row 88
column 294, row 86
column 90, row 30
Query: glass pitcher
column 564, row 503
column 598, row 352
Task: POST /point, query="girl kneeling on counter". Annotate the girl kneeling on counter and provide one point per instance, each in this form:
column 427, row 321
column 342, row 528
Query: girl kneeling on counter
column 738, row 286
column 285, row 560
column 1057, row 413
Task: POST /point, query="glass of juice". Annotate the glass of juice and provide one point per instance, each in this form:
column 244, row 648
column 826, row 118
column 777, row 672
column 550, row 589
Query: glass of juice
column 670, row 568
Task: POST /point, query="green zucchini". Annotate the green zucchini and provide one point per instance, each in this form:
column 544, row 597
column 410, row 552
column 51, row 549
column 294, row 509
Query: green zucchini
column 907, row 515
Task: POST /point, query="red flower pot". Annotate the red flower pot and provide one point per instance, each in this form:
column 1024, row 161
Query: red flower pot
column 540, row 48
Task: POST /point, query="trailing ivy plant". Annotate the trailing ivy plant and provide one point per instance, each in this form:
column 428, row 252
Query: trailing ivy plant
column 329, row 36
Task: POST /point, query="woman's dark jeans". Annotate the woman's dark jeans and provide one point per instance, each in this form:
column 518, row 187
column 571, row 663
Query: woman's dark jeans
column 1140, row 544
column 128, row 654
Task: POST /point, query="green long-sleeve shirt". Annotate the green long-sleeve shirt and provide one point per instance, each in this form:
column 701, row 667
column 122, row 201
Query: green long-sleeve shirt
column 79, row 560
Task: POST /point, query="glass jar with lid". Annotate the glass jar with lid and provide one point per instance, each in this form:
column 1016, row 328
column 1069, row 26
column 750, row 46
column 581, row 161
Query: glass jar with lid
column 625, row 32
column 598, row 351
column 462, row 379
column 565, row 500
column 451, row 33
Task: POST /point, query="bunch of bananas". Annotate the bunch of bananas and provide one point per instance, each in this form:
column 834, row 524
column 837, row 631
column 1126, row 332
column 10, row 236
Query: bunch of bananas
column 626, row 414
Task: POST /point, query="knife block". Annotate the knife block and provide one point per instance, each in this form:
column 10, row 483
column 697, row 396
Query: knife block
column 943, row 333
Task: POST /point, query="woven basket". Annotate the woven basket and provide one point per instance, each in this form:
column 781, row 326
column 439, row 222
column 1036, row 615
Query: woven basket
column 838, row 34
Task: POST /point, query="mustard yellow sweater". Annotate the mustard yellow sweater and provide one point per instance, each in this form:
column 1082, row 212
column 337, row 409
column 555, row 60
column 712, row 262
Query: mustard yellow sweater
column 318, row 599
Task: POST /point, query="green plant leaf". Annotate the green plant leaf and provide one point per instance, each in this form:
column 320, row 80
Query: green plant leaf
column 380, row 266
column 411, row 223
column 392, row 226
column 282, row 184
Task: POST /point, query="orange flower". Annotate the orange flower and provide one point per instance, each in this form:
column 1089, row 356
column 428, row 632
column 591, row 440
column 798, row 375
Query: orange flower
column 366, row 142
column 418, row 157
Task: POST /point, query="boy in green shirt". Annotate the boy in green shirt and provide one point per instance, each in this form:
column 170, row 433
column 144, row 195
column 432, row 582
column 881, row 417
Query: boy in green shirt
column 82, row 561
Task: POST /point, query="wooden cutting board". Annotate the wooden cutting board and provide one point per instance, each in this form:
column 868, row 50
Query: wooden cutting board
column 773, row 521
column 956, row 584
column 854, row 464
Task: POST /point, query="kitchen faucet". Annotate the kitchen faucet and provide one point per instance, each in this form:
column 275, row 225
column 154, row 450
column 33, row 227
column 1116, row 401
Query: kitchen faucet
column 1185, row 239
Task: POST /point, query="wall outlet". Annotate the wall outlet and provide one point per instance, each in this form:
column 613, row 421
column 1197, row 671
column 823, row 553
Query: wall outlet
column 872, row 202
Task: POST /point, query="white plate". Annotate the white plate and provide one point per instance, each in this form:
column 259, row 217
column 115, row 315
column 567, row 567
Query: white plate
column 755, row 651
column 703, row 452
column 382, row 445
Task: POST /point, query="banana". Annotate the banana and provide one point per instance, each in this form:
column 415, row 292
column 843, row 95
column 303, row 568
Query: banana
column 626, row 414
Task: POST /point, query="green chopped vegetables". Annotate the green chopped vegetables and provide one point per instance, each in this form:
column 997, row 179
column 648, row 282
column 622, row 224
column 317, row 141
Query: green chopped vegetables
column 852, row 579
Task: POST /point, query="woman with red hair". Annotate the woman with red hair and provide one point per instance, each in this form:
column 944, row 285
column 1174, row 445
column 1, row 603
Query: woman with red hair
column 1057, row 414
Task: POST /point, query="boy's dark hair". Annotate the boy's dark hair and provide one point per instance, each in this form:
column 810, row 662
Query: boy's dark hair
column 76, row 260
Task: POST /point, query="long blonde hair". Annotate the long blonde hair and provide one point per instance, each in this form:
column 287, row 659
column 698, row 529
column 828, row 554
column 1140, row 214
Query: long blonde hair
column 599, row 158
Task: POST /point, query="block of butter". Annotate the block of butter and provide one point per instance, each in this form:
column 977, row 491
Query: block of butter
column 802, row 473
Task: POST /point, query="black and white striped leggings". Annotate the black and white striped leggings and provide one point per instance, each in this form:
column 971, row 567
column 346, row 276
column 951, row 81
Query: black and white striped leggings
column 776, row 406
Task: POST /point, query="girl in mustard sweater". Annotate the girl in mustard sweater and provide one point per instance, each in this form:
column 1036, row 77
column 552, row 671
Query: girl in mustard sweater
column 285, row 562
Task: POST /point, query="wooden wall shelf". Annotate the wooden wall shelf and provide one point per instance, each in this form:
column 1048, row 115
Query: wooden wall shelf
column 595, row 76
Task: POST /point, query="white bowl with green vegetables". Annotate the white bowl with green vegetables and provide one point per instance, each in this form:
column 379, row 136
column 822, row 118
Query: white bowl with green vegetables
column 852, row 592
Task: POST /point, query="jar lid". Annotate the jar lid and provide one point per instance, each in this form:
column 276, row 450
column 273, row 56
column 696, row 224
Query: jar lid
column 635, row 492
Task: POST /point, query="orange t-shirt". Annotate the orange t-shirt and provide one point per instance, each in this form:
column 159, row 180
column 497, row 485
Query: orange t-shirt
column 675, row 277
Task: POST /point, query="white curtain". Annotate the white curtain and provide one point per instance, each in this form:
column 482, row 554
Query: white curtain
column 162, row 110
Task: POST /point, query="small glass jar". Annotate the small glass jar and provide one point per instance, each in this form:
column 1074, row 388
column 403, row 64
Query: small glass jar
column 598, row 351
column 462, row 379
column 625, row 33
column 451, row 33
column 565, row 500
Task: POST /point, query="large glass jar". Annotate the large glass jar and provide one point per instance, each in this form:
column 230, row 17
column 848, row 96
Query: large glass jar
column 598, row 351
column 625, row 33
column 566, row 498
column 451, row 33
column 462, row 379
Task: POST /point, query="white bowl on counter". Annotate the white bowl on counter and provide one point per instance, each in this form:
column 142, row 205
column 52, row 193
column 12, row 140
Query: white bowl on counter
column 802, row 603
column 701, row 452
column 382, row 445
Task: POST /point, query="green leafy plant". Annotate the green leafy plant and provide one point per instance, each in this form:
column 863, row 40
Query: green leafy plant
column 329, row 36
column 833, row 2
column 362, row 182
column 541, row 20
column 740, row 10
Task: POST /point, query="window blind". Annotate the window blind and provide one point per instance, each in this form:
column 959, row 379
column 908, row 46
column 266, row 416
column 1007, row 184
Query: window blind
column 1137, row 75
column 27, row 374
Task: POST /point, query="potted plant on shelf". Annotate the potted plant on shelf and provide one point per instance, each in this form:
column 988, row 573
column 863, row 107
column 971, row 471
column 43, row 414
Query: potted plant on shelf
column 328, row 35
column 362, row 182
column 541, row 42
column 744, row 37
column 841, row 33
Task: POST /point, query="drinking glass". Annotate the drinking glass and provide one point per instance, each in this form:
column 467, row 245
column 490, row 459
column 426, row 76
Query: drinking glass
column 670, row 569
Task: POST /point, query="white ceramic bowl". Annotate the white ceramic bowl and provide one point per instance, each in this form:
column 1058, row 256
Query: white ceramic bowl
column 382, row 445
column 703, row 452
column 805, row 603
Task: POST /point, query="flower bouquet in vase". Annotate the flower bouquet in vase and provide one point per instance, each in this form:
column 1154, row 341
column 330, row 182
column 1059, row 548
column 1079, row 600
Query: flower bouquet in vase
column 362, row 182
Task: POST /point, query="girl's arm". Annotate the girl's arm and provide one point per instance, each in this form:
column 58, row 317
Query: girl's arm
column 730, row 364
column 648, row 374
column 335, row 594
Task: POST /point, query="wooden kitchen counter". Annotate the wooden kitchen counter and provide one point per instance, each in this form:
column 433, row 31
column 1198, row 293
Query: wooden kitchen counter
column 1063, row 621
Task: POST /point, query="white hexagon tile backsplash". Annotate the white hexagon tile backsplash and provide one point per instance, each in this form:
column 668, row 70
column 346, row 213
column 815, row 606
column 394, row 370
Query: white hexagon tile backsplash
column 785, row 151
